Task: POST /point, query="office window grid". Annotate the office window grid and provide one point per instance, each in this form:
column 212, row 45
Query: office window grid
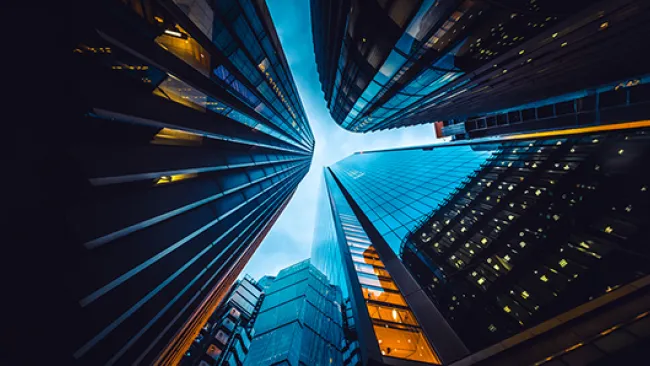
column 325, row 252
column 397, row 189
column 226, row 335
column 377, row 103
column 398, row 77
column 300, row 321
column 251, row 48
column 544, row 226
column 397, row 331
column 250, row 53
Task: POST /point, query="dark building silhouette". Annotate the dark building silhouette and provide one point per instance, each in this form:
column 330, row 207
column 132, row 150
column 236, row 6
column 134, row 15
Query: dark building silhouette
column 540, row 256
column 478, row 65
column 170, row 140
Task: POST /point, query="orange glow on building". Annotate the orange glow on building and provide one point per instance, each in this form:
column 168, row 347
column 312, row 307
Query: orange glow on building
column 577, row 131
column 182, row 340
column 397, row 330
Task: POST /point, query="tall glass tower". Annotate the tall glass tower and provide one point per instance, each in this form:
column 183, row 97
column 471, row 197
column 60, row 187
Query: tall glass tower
column 389, row 320
column 388, row 64
column 425, row 240
column 155, row 168
column 540, row 257
column 300, row 320
column 395, row 189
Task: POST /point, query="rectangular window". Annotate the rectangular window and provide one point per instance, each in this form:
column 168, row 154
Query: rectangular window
column 380, row 295
column 405, row 344
column 370, row 280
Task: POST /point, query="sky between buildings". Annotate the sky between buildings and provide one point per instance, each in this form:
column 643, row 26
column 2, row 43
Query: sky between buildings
column 289, row 241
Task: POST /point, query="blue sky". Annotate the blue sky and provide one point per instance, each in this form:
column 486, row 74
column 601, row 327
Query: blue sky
column 289, row 241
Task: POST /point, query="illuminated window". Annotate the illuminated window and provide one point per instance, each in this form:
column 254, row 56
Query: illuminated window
column 405, row 344
column 182, row 93
column 381, row 295
column 213, row 351
column 544, row 278
column 391, row 314
column 186, row 48
column 174, row 178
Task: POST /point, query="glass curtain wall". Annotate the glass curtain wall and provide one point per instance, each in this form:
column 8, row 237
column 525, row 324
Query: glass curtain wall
column 397, row 331
column 300, row 320
column 396, row 189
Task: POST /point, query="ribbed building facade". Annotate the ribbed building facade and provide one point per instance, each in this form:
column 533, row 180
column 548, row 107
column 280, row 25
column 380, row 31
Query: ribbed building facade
column 300, row 321
column 388, row 64
column 177, row 140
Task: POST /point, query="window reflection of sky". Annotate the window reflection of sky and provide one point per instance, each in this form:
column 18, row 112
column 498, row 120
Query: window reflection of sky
column 398, row 332
column 396, row 189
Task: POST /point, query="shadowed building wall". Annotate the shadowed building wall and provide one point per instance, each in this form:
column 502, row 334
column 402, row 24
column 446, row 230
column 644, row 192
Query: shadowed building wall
column 173, row 137
column 391, row 63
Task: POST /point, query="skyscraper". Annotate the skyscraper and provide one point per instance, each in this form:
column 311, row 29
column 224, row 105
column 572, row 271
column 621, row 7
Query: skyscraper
column 375, row 201
column 176, row 140
column 387, row 319
column 387, row 64
column 396, row 188
column 540, row 257
column 300, row 320
column 226, row 337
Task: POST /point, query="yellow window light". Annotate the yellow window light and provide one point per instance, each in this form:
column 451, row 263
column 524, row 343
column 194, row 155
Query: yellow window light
column 544, row 278
column 174, row 178
column 168, row 136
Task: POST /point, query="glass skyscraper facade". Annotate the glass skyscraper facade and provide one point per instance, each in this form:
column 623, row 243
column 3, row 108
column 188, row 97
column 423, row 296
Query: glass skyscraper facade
column 386, row 64
column 530, row 254
column 545, row 240
column 300, row 321
column 397, row 189
column 382, row 325
column 174, row 143
column 397, row 331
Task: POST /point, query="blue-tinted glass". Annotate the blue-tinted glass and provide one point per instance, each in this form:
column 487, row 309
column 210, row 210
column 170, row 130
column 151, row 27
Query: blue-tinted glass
column 300, row 320
column 395, row 189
